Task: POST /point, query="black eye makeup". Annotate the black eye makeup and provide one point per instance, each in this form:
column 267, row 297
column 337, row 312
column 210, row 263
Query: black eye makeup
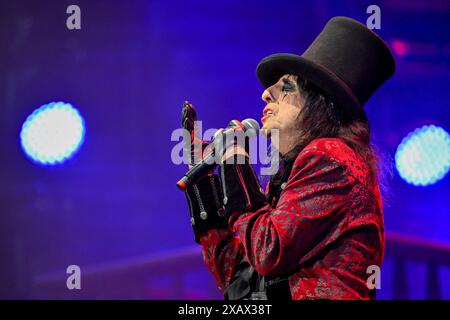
column 288, row 86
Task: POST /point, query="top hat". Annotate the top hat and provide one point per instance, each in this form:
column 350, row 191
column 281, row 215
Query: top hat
column 347, row 61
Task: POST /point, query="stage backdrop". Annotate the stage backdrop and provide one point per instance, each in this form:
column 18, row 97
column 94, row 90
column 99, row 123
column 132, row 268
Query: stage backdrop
column 114, row 205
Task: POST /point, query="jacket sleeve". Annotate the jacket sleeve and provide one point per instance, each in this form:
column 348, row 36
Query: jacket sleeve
column 222, row 252
column 310, row 215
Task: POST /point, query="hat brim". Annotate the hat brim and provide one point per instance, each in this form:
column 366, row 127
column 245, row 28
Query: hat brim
column 273, row 67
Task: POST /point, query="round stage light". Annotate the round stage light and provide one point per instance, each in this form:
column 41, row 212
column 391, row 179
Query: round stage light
column 53, row 133
column 423, row 156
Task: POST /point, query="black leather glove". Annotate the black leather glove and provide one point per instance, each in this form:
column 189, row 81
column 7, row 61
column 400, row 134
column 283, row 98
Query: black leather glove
column 205, row 200
column 241, row 188
column 188, row 122
column 205, row 197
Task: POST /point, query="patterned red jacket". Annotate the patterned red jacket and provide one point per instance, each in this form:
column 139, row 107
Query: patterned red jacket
column 324, row 232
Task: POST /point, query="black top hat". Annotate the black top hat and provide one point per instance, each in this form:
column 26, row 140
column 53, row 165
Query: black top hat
column 347, row 61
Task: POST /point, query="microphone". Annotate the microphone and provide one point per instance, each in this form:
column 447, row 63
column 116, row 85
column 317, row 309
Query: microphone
column 207, row 163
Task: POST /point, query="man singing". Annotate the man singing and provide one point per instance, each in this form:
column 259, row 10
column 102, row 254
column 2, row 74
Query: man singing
column 319, row 226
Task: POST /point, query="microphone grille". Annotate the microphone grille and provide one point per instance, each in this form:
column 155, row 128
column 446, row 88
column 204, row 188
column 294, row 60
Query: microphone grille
column 251, row 124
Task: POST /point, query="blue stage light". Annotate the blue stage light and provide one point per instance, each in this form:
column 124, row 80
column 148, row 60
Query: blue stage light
column 423, row 156
column 53, row 133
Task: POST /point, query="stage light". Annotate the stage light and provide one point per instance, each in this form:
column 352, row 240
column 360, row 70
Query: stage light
column 53, row 133
column 423, row 156
column 399, row 47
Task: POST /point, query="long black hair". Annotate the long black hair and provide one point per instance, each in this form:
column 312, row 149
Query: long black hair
column 321, row 117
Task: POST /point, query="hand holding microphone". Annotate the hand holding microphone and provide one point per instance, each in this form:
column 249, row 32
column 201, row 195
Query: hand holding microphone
column 212, row 200
column 223, row 140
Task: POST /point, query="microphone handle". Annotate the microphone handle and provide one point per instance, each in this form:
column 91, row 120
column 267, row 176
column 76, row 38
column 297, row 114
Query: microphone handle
column 197, row 171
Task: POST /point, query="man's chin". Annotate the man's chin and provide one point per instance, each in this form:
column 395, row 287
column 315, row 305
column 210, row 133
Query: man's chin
column 265, row 133
column 267, row 129
column 267, row 126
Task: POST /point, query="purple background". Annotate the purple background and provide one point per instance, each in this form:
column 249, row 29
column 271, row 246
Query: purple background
column 128, row 71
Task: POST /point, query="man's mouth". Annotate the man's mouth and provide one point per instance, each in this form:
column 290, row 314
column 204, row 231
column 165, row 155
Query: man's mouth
column 268, row 114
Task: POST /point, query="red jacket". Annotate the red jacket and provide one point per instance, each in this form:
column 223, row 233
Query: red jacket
column 325, row 231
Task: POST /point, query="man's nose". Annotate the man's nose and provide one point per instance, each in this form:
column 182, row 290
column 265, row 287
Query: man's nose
column 266, row 96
